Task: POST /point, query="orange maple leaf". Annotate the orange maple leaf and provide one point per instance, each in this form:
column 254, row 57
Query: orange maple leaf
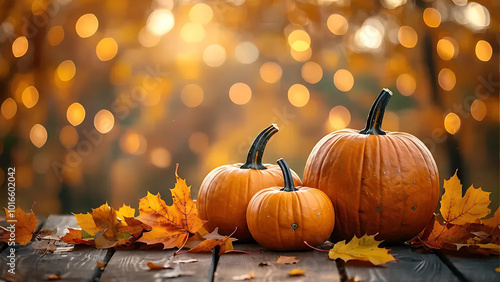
column 171, row 225
column 22, row 224
column 75, row 236
column 493, row 221
column 214, row 239
column 457, row 210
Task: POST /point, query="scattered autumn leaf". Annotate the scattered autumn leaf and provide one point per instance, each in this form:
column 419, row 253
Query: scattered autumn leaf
column 155, row 266
column 493, row 221
column 25, row 225
column 457, row 210
column 180, row 261
column 213, row 239
column 364, row 248
column 287, row 260
column 101, row 264
column 297, row 272
column 53, row 277
column 171, row 225
column 45, row 245
column 242, row 277
column 75, row 236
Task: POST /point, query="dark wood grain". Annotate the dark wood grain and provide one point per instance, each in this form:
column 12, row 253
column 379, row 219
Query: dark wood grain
column 131, row 265
column 413, row 265
column 479, row 268
column 34, row 265
column 317, row 265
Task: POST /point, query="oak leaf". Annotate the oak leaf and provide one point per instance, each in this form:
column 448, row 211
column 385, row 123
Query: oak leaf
column 364, row 248
column 171, row 225
column 459, row 210
column 25, row 225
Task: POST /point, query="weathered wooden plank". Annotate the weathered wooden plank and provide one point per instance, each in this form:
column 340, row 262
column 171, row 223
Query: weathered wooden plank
column 131, row 265
column 476, row 268
column 413, row 265
column 33, row 265
column 3, row 223
column 317, row 265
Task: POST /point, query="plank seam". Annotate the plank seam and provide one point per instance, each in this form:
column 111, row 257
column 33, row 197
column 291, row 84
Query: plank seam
column 96, row 275
column 215, row 262
column 341, row 268
column 451, row 266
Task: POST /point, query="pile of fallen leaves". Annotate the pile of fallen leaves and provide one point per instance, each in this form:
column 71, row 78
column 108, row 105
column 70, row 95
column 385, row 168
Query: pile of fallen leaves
column 460, row 225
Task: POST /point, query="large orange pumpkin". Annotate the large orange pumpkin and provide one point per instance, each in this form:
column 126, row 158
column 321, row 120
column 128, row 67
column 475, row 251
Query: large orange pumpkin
column 282, row 218
column 225, row 192
column 379, row 182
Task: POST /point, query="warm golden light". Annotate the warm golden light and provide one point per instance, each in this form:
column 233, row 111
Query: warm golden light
column 120, row 73
column 393, row 4
column 476, row 16
column 337, row 24
column 160, row 21
column 214, row 55
column 483, row 50
column 407, row 36
column 369, row 36
column 161, row 157
column 201, row 13
column 298, row 95
column 30, row 96
column 38, row 135
column 432, row 17
column 68, row 136
column 246, row 52
column 301, row 56
column 240, row 93
column 446, row 48
column 406, row 84
column 312, row 72
column 106, row 49
column 66, row 70
column 447, row 79
column 75, row 114
column 55, row 35
column 343, row 80
column 478, row 110
column 9, row 108
column 198, row 142
column 133, row 143
column 390, row 122
column 20, row 46
column 452, row 123
column 192, row 95
column 87, row 25
column 339, row 118
column 104, row 121
column 192, row 32
column 38, row 7
column 299, row 40
column 271, row 72
column 147, row 38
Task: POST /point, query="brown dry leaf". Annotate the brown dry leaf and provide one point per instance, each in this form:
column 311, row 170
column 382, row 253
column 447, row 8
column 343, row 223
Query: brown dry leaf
column 364, row 248
column 443, row 235
column 297, row 272
column 25, row 225
column 213, row 239
column 45, row 245
column 287, row 260
column 154, row 266
column 459, row 211
column 101, row 264
column 242, row 277
column 171, row 225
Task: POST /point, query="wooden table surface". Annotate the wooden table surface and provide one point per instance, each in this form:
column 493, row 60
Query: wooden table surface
column 130, row 265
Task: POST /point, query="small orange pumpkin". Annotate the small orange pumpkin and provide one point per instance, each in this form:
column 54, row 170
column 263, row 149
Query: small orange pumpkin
column 282, row 218
column 225, row 192
column 378, row 182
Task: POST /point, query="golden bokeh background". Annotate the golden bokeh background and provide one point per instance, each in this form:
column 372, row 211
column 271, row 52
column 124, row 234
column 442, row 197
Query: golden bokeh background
column 100, row 99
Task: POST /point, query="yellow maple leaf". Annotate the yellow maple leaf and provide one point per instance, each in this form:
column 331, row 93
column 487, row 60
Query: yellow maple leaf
column 171, row 225
column 125, row 211
column 459, row 210
column 364, row 248
column 493, row 221
column 25, row 224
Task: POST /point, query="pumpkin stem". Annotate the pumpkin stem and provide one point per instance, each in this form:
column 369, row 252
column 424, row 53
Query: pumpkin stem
column 376, row 115
column 254, row 158
column 287, row 176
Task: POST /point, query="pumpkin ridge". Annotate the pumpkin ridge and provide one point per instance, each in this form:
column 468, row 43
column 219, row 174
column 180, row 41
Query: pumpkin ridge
column 361, row 184
column 403, row 210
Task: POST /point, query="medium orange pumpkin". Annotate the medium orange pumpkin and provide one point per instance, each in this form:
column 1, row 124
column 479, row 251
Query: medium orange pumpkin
column 282, row 218
column 225, row 192
column 378, row 182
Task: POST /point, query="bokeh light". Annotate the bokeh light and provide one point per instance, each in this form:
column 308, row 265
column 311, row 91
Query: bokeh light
column 483, row 50
column 192, row 32
column 87, row 25
column 198, row 142
column 148, row 39
column 337, row 24
column 66, row 70
column 106, row 49
column 68, row 136
column 38, row 135
column 452, row 123
column 20, row 46
column 75, row 114
column 160, row 22
column 30, row 96
column 477, row 16
column 339, row 118
column 301, row 56
column 447, row 48
column 271, row 72
column 133, row 143
column 104, row 121
column 298, row 95
column 432, row 17
column 299, row 40
column 55, row 35
column 240, row 93
column 406, row 84
column 160, row 157
column 343, row 80
column 214, row 55
column 201, row 13
column 9, row 108
column 312, row 72
column 407, row 36
column 478, row 110
column 447, row 79
column 192, row 95
column 246, row 52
